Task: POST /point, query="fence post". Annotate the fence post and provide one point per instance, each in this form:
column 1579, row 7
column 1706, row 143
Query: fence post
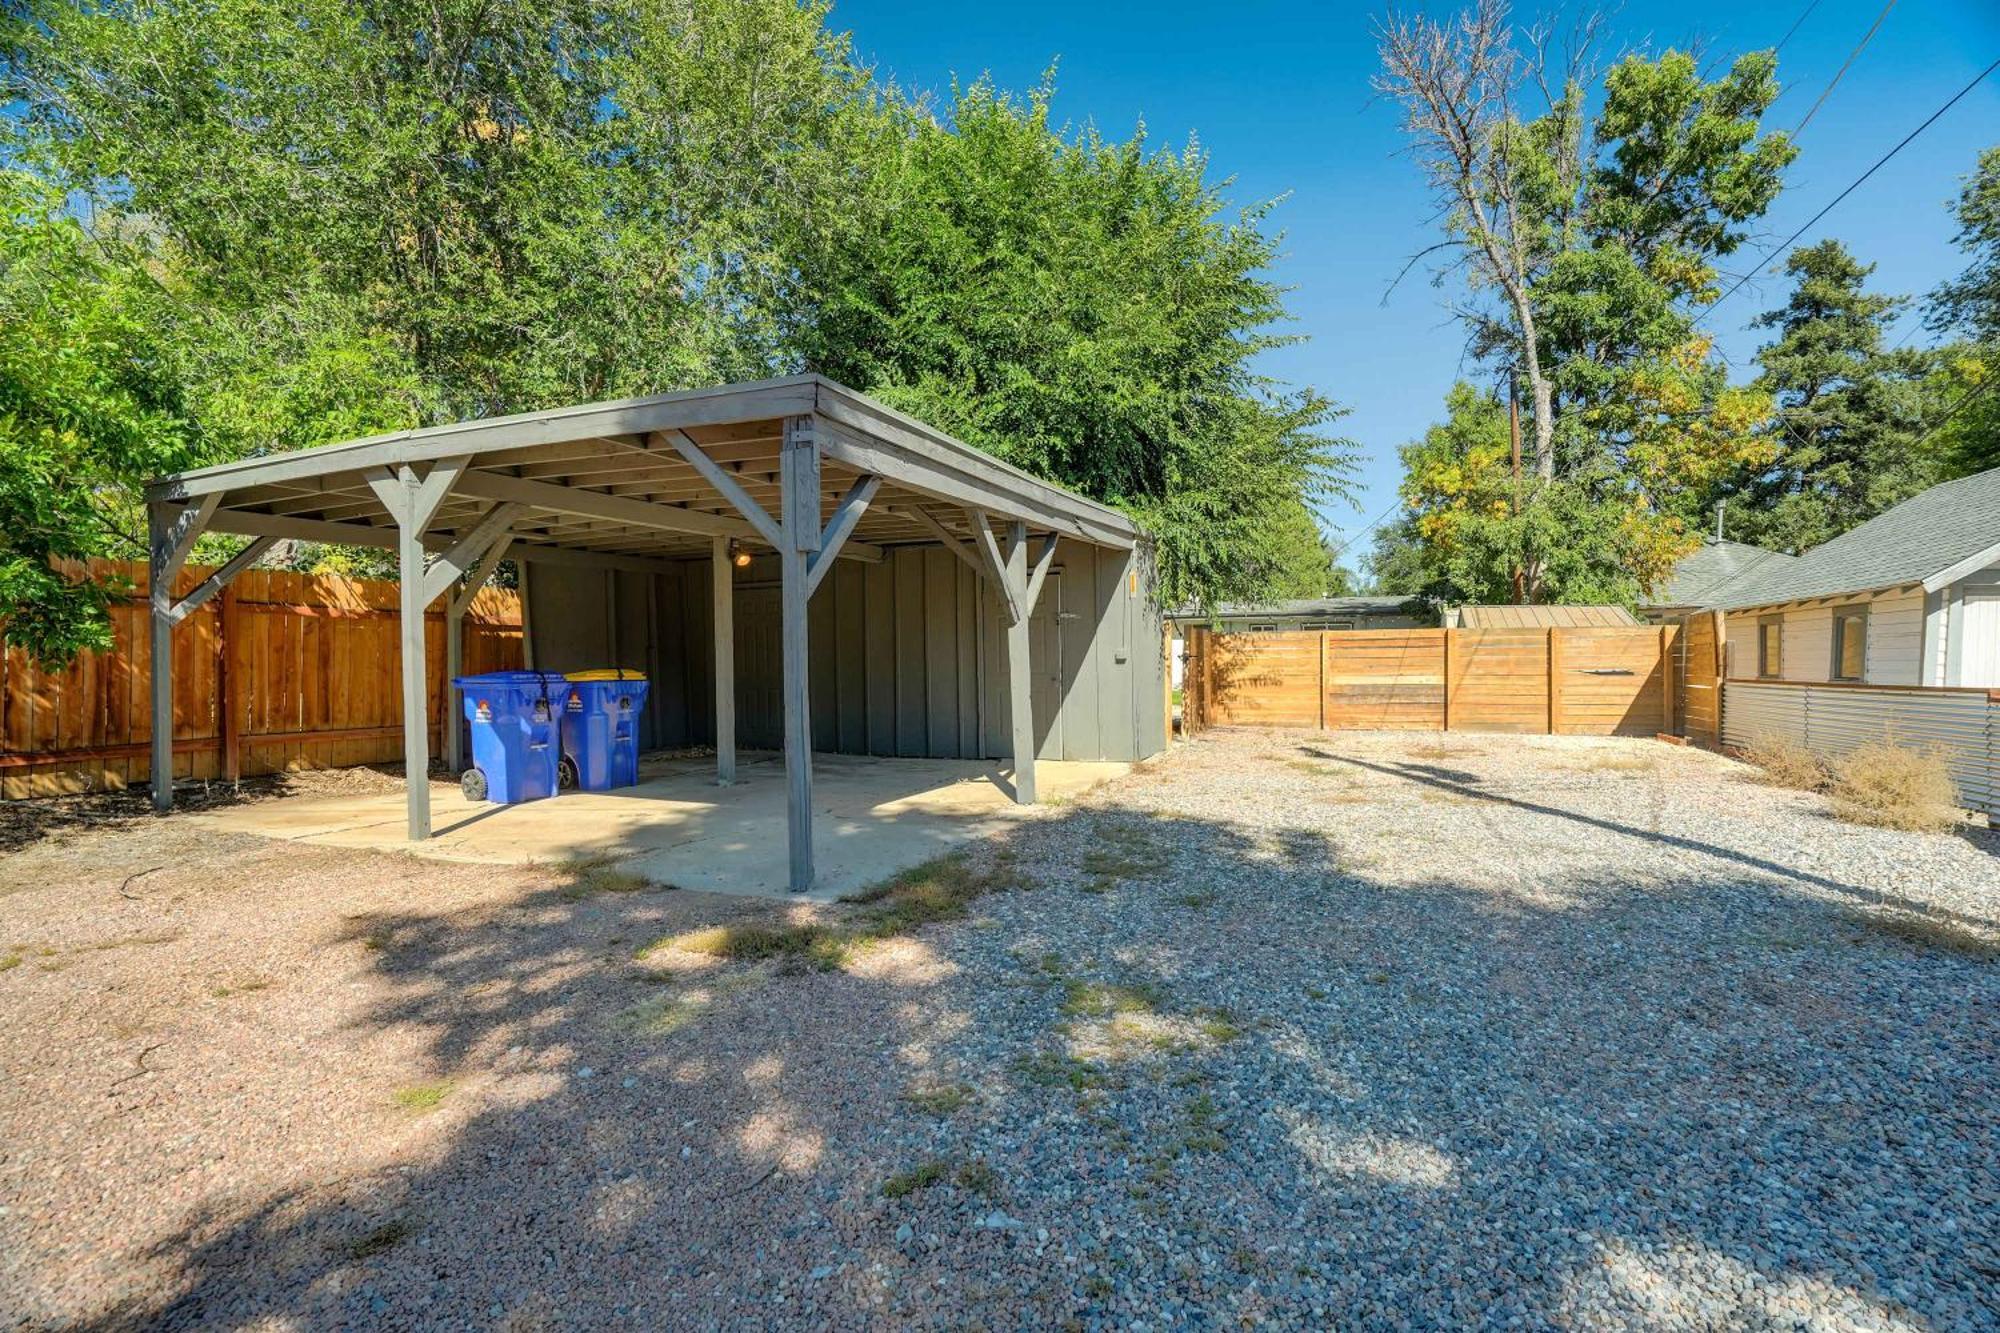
column 1666, row 680
column 1555, row 680
column 229, row 688
column 1325, row 649
column 1448, row 636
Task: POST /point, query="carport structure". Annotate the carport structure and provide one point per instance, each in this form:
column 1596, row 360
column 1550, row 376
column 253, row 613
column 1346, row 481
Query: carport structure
column 802, row 468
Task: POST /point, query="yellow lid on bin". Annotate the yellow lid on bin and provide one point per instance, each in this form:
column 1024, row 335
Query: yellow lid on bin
column 606, row 673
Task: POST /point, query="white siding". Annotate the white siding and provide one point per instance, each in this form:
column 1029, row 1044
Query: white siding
column 1895, row 640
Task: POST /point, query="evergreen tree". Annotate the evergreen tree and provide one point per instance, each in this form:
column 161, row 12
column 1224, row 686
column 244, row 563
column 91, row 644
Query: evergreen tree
column 1849, row 412
column 1965, row 389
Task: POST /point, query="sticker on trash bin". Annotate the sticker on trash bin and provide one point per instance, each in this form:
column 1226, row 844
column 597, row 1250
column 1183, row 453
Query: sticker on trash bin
column 484, row 713
column 575, row 704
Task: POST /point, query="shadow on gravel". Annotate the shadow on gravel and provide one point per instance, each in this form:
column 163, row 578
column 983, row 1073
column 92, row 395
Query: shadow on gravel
column 1413, row 1100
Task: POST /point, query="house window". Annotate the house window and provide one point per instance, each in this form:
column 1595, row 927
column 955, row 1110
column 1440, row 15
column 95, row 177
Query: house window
column 1770, row 647
column 1850, row 643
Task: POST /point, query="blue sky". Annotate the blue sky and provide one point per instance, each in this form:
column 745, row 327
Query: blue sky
column 1279, row 95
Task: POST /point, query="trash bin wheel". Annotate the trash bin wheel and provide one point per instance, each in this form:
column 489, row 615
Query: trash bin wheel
column 566, row 774
column 473, row 783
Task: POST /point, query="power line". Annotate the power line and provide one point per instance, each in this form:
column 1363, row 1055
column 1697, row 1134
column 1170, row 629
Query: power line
column 1779, row 48
column 1834, row 82
column 1858, row 181
column 1394, row 505
column 1956, row 408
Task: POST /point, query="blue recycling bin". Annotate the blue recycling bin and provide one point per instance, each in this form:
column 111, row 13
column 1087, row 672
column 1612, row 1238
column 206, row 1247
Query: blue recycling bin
column 600, row 729
column 515, row 718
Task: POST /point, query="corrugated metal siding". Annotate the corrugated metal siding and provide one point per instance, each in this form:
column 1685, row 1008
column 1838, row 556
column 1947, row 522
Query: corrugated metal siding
column 1831, row 721
column 906, row 655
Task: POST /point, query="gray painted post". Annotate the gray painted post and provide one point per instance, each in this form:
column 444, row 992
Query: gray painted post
column 159, row 524
column 1020, row 679
column 410, row 604
column 799, row 502
column 722, row 586
column 454, row 667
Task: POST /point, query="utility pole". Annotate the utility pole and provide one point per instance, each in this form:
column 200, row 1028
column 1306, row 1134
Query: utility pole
column 1514, row 433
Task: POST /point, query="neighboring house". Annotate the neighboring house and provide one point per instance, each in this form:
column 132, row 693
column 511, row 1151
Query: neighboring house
column 1537, row 617
column 1310, row 614
column 1911, row 597
column 1701, row 576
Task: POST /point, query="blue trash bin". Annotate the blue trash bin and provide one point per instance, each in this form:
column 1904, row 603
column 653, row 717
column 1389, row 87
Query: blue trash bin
column 515, row 718
column 600, row 729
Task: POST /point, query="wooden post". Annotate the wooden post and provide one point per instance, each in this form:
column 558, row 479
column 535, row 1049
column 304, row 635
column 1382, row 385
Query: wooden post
column 229, row 688
column 161, row 590
column 799, row 502
column 1449, row 634
column 1020, row 680
column 1667, row 680
column 722, row 589
column 410, row 606
column 1325, row 651
column 1555, row 681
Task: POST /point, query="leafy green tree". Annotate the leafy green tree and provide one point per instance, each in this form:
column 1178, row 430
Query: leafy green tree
column 1588, row 236
column 1965, row 389
column 90, row 399
column 1090, row 311
column 1849, row 411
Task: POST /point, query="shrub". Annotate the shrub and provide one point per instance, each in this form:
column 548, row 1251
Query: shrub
column 1894, row 786
column 1787, row 763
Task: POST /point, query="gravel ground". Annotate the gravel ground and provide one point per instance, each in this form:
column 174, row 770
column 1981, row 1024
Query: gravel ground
column 1358, row 1031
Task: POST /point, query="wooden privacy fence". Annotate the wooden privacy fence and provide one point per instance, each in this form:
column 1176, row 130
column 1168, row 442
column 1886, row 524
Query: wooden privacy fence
column 281, row 671
column 1571, row 681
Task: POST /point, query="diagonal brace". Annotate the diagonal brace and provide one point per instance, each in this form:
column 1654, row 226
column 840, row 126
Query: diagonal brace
column 712, row 472
column 838, row 528
column 446, row 569
column 219, row 580
column 996, row 566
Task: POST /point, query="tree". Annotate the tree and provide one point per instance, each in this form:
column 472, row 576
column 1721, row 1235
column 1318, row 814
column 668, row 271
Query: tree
column 1090, row 311
column 1589, row 243
column 90, row 399
column 1849, row 411
column 1965, row 410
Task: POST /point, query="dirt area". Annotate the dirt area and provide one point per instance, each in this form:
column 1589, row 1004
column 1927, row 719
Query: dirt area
column 1355, row 1030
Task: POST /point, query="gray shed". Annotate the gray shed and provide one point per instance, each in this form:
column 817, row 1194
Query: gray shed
column 793, row 564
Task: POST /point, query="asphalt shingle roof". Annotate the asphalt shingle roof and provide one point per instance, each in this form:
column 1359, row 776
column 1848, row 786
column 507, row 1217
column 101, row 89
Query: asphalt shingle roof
column 1701, row 576
column 1922, row 536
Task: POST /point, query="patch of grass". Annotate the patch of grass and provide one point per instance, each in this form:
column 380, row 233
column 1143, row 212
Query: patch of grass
column 1203, row 898
column 808, row 943
column 1315, row 993
column 375, row 941
column 1786, row 764
column 130, row 941
column 1219, row 1026
column 1308, row 767
column 422, row 1097
column 1124, row 851
column 920, row 1177
column 664, row 1015
column 379, row 1241
column 10, row 962
column 976, row 1177
column 1619, row 763
column 250, row 987
column 1440, row 752
column 1097, row 999
column 589, row 876
column 1051, row 1069
column 1897, row 787
column 1936, row 934
column 939, row 1099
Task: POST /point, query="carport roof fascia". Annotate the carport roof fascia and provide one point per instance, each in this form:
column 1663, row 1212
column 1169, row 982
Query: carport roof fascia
column 843, row 408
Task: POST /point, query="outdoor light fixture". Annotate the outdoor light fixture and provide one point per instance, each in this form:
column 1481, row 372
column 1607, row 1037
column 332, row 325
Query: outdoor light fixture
column 737, row 555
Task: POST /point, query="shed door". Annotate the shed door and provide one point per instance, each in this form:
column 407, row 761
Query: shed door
column 1979, row 641
column 1045, row 654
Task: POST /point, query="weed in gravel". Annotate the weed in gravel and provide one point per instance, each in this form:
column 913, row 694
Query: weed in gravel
column 1928, row 932
column 664, row 1015
column 1315, row 993
column 920, row 1177
column 1219, row 1026
column 1897, row 787
column 130, row 941
column 421, row 1097
column 1618, row 763
column 249, row 987
column 976, row 1177
column 10, row 962
column 379, row 1241
column 1123, row 852
column 1439, row 752
column 1203, row 1126
column 1785, row 764
column 939, row 1099
column 1307, row 767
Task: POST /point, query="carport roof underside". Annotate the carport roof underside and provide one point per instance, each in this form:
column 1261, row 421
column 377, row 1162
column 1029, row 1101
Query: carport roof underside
column 616, row 484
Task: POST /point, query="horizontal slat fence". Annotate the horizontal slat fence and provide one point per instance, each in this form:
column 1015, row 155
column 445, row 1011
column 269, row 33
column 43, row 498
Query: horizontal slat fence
column 1567, row 681
column 1830, row 720
column 282, row 671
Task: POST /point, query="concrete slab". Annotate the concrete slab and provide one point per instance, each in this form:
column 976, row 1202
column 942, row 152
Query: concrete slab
column 872, row 818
